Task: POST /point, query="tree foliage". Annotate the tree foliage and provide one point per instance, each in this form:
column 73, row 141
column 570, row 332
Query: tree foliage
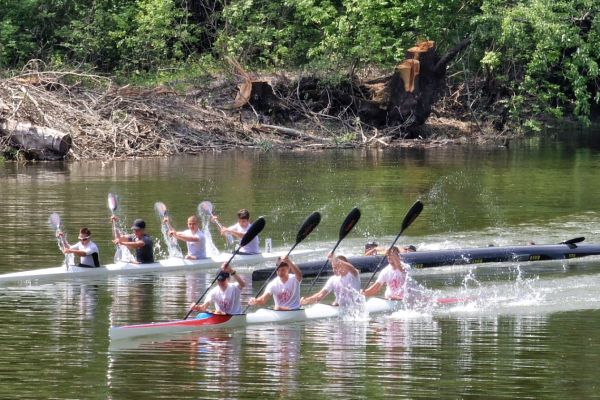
column 540, row 57
column 545, row 53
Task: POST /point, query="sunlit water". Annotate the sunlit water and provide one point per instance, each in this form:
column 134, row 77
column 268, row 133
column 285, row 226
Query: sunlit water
column 527, row 330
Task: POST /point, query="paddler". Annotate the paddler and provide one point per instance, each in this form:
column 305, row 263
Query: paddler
column 193, row 237
column 225, row 296
column 139, row 241
column 238, row 231
column 85, row 249
column 285, row 288
column 393, row 276
column 344, row 284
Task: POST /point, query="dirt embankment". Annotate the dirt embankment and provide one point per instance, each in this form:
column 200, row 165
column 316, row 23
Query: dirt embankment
column 89, row 117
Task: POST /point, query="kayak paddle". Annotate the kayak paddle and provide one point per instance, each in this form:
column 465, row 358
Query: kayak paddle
column 256, row 227
column 351, row 220
column 409, row 218
column 307, row 227
column 112, row 206
column 54, row 220
column 206, row 208
column 172, row 245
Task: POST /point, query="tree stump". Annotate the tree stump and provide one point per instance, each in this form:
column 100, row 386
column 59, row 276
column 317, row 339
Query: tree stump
column 39, row 143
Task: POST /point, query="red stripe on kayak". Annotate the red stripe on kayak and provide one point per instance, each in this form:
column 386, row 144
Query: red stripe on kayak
column 451, row 300
column 214, row 319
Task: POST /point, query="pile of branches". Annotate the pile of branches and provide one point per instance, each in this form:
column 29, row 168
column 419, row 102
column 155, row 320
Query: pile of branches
column 103, row 121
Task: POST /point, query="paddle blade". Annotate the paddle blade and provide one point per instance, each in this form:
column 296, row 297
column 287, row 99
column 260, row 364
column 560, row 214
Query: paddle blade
column 205, row 208
column 574, row 240
column 256, row 227
column 411, row 215
column 54, row 220
column 112, row 202
column 160, row 208
column 308, row 226
column 349, row 222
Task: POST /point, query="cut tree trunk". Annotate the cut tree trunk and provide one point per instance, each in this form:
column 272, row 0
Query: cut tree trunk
column 404, row 98
column 37, row 142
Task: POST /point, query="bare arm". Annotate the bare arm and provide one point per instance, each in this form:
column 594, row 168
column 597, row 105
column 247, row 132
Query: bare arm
column 315, row 298
column 372, row 290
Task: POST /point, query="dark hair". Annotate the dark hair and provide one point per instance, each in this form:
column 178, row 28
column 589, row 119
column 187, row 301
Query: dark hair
column 371, row 245
column 85, row 232
column 243, row 214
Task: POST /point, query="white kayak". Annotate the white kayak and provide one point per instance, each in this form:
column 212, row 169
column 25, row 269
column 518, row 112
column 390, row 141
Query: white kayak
column 210, row 321
column 125, row 268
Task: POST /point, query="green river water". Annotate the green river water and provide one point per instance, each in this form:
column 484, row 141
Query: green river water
column 533, row 332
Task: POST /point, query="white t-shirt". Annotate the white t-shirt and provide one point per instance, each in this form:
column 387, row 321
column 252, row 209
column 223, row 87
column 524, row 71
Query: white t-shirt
column 285, row 294
column 251, row 248
column 344, row 287
column 227, row 301
column 196, row 249
column 394, row 280
column 89, row 248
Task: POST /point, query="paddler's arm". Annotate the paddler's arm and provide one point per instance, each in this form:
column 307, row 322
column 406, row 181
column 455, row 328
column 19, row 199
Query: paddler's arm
column 346, row 266
column 315, row 298
column 125, row 241
column 372, row 290
column 200, row 307
column 227, row 268
column 259, row 301
column 294, row 269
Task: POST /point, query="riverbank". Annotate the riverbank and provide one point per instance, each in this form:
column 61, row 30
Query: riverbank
column 102, row 120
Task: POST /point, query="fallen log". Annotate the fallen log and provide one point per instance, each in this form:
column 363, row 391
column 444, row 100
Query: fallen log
column 37, row 142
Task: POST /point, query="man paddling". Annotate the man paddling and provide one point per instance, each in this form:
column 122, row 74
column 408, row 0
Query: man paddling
column 285, row 288
column 139, row 241
column 344, row 284
column 238, row 231
column 85, row 249
column 193, row 237
column 225, row 296
column 393, row 276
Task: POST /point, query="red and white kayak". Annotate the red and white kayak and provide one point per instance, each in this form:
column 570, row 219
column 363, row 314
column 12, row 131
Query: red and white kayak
column 211, row 321
column 127, row 268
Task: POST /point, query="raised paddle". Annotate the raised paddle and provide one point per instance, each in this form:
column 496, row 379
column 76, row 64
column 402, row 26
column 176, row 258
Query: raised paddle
column 54, row 220
column 161, row 210
column 351, row 220
column 574, row 240
column 307, row 227
column 409, row 218
column 112, row 206
column 206, row 208
column 256, row 227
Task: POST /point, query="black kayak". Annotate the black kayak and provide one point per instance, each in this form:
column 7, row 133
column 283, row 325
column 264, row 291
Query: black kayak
column 438, row 258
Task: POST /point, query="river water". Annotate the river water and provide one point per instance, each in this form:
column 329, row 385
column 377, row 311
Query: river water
column 532, row 330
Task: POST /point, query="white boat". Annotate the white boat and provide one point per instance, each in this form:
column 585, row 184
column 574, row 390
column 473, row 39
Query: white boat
column 166, row 265
column 211, row 321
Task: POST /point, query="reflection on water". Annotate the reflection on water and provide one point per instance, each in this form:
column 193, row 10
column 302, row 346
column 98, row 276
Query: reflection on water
column 526, row 330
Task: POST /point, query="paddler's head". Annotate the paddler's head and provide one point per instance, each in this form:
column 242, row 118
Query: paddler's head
column 138, row 227
column 223, row 279
column 393, row 256
column 243, row 218
column 283, row 268
column 192, row 223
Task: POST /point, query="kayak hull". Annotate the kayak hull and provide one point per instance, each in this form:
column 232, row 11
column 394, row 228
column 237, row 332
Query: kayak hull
column 125, row 268
column 263, row 316
column 441, row 258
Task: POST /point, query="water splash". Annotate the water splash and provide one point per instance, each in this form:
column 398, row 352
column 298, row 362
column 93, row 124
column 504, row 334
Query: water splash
column 211, row 249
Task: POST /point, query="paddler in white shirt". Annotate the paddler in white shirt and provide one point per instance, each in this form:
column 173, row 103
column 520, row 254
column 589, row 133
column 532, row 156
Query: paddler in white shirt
column 193, row 237
column 225, row 296
column 85, row 249
column 238, row 231
column 344, row 283
column 393, row 276
column 285, row 288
